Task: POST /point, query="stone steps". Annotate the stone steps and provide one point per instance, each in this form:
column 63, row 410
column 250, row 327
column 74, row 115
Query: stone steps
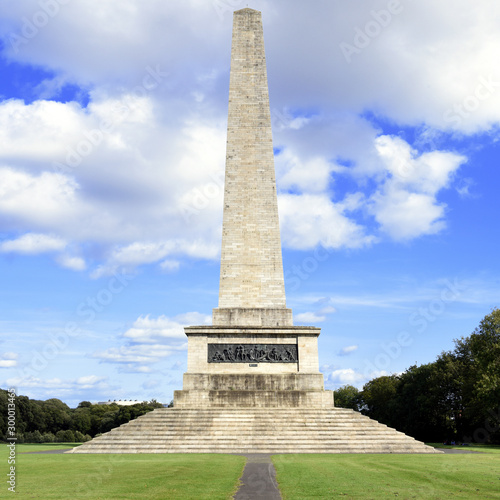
column 253, row 430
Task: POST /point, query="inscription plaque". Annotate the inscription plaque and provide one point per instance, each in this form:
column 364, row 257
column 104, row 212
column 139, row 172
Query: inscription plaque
column 258, row 353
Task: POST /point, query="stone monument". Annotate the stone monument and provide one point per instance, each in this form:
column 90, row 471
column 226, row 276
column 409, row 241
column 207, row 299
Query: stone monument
column 252, row 356
column 252, row 383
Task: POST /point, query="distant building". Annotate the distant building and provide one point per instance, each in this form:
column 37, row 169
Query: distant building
column 121, row 402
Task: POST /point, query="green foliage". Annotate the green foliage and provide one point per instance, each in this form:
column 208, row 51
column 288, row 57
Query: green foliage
column 455, row 398
column 347, row 396
column 379, row 399
column 48, row 437
column 53, row 420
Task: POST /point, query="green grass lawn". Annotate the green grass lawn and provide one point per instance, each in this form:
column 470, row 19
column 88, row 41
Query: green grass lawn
column 204, row 477
column 304, row 477
column 122, row 476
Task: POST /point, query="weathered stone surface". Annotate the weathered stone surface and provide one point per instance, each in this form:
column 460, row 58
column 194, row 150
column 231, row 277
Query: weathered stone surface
column 249, row 384
column 253, row 382
column 305, row 338
column 273, row 317
column 251, row 277
column 253, row 399
column 253, row 430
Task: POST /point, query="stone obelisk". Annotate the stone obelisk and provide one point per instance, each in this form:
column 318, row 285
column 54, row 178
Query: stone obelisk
column 252, row 355
column 252, row 290
column 253, row 384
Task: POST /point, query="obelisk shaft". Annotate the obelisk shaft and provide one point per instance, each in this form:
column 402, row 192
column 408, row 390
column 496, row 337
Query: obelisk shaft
column 252, row 287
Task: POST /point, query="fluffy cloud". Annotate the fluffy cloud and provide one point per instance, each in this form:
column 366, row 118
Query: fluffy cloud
column 308, row 318
column 345, row 351
column 8, row 360
column 140, row 213
column 414, row 76
column 347, row 376
column 310, row 176
column 8, row 363
column 71, row 262
column 405, row 204
column 344, row 376
column 309, row 220
column 146, row 329
column 137, row 170
column 151, row 340
column 32, row 244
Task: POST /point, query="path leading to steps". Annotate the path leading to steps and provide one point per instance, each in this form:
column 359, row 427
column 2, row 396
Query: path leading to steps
column 258, row 479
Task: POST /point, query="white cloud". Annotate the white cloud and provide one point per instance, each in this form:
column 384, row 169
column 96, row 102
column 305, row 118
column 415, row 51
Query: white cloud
column 427, row 173
column 415, row 76
column 327, row 310
column 348, row 376
column 7, row 363
column 151, row 340
column 345, row 376
column 31, row 243
column 308, row 318
column 348, row 350
column 140, row 212
column 311, row 220
column 170, row 266
column 137, row 172
column 310, row 176
column 323, row 307
column 40, row 201
column 146, row 329
column 405, row 204
column 74, row 263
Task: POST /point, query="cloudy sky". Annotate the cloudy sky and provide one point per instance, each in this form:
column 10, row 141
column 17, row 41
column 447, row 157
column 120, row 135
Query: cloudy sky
column 113, row 119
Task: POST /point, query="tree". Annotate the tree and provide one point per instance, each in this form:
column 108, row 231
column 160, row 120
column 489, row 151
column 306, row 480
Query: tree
column 378, row 399
column 66, row 436
column 48, row 437
column 4, row 411
column 478, row 359
column 347, row 396
column 422, row 407
column 81, row 419
column 79, row 437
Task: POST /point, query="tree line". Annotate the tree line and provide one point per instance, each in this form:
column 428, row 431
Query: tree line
column 54, row 421
column 455, row 398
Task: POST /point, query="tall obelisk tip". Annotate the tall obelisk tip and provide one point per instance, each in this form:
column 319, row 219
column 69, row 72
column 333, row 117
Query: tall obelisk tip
column 246, row 10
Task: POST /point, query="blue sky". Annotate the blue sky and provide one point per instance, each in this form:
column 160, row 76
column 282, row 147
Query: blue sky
column 112, row 132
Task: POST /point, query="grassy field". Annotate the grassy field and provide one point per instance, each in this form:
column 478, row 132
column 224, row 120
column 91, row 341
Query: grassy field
column 304, row 477
column 301, row 477
column 161, row 476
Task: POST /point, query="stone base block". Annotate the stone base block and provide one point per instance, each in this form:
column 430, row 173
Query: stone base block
column 253, row 382
column 304, row 337
column 252, row 317
column 252, row 399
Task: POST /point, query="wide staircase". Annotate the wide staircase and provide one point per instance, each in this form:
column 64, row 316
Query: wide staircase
column 253, row 430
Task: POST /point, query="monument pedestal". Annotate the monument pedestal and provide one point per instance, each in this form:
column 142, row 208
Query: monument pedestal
column 253, row 366
column 253, row 383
